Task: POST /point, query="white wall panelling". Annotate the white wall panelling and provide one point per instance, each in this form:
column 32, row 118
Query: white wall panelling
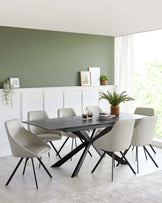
column 49, row 99
column 1, row 121
column 31, row 101
column 9, row 112
column 53, row 100
column 90, row 97
column 73, row 99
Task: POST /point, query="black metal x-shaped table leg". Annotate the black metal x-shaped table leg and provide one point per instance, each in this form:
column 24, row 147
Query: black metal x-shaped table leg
column 87, row 142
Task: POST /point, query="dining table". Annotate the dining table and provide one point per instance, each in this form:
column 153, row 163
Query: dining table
column 82, row 128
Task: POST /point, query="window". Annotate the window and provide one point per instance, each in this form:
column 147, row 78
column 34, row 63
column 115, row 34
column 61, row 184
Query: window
column 148, row 73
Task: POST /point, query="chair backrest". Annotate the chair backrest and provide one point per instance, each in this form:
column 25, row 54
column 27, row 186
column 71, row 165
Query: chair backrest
column 145, row 111
column 94, row 109
column 144, row 131
column 36, row 115
column 19, row 138
column 119, row 138
column 66, row 112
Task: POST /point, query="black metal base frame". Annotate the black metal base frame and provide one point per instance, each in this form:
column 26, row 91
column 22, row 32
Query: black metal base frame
column 87, row 142
column 17, row 166
column 71, row 145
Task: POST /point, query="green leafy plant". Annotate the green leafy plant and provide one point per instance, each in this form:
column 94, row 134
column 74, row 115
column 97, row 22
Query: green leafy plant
column 148, row 89
column 7, row 92
column 114, row 98
column 103, row 77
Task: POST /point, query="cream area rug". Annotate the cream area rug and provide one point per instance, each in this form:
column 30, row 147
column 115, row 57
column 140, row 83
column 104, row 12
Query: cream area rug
column 141, row 189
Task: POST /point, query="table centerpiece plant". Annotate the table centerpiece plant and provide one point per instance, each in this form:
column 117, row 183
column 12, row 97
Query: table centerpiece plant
column 115, row 99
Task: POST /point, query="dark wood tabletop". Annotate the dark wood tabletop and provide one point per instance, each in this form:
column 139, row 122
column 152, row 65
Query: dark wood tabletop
column 76, row 123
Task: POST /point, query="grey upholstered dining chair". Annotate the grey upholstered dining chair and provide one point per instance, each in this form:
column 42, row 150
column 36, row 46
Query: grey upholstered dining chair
column 25, row 145
column 117, row 140
column 45, row 135
column 146, row 111
column 142, row 136
column 95, row 109
column 68, row 112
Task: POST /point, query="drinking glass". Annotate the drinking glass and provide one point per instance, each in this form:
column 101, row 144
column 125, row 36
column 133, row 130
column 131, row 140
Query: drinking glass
column 84, row 116
column 90, row 114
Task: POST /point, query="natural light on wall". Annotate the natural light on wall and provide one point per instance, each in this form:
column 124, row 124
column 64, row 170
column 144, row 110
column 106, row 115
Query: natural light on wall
column 148, row 72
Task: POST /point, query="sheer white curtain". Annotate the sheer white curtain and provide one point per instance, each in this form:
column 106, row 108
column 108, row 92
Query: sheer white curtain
column 124, row 63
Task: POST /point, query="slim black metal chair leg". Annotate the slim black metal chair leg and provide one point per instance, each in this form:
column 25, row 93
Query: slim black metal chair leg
column 98, row 162
column 89, row 153
column 26, row 160
column 112, row 170
column 125, row 152
column 152, row 149
column 39, row 162
column 137, row 159
column 75, row 142
column 72, row 143
column 151, row 157
column 145, row 152
column 48, row 154
column 55, row 149
column 128, row 162
column 34, row 173
column 136, row 154
column 14, row 170
column 44, row 167
column 62, row 146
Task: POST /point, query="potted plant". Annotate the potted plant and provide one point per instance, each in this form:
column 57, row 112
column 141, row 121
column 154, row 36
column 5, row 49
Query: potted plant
column 104, row 79
column 115, row 99
column 7, row 92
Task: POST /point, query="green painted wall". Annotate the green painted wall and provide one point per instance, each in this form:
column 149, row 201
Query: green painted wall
column 47, row 58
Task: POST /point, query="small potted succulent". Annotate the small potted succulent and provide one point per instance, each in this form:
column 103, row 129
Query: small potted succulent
column 104, row 79
column 115, row 99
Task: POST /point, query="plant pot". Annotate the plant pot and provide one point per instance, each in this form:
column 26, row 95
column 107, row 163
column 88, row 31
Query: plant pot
column 115, row 110
column 103, row 82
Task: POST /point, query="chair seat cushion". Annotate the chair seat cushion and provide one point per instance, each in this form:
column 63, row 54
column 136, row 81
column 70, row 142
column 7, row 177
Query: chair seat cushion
column 69, row 134
column 38, row 149
column 49, row 137
column 72, row 135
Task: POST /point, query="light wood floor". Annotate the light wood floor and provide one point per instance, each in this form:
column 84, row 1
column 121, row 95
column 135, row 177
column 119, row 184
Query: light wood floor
column 22, row 188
